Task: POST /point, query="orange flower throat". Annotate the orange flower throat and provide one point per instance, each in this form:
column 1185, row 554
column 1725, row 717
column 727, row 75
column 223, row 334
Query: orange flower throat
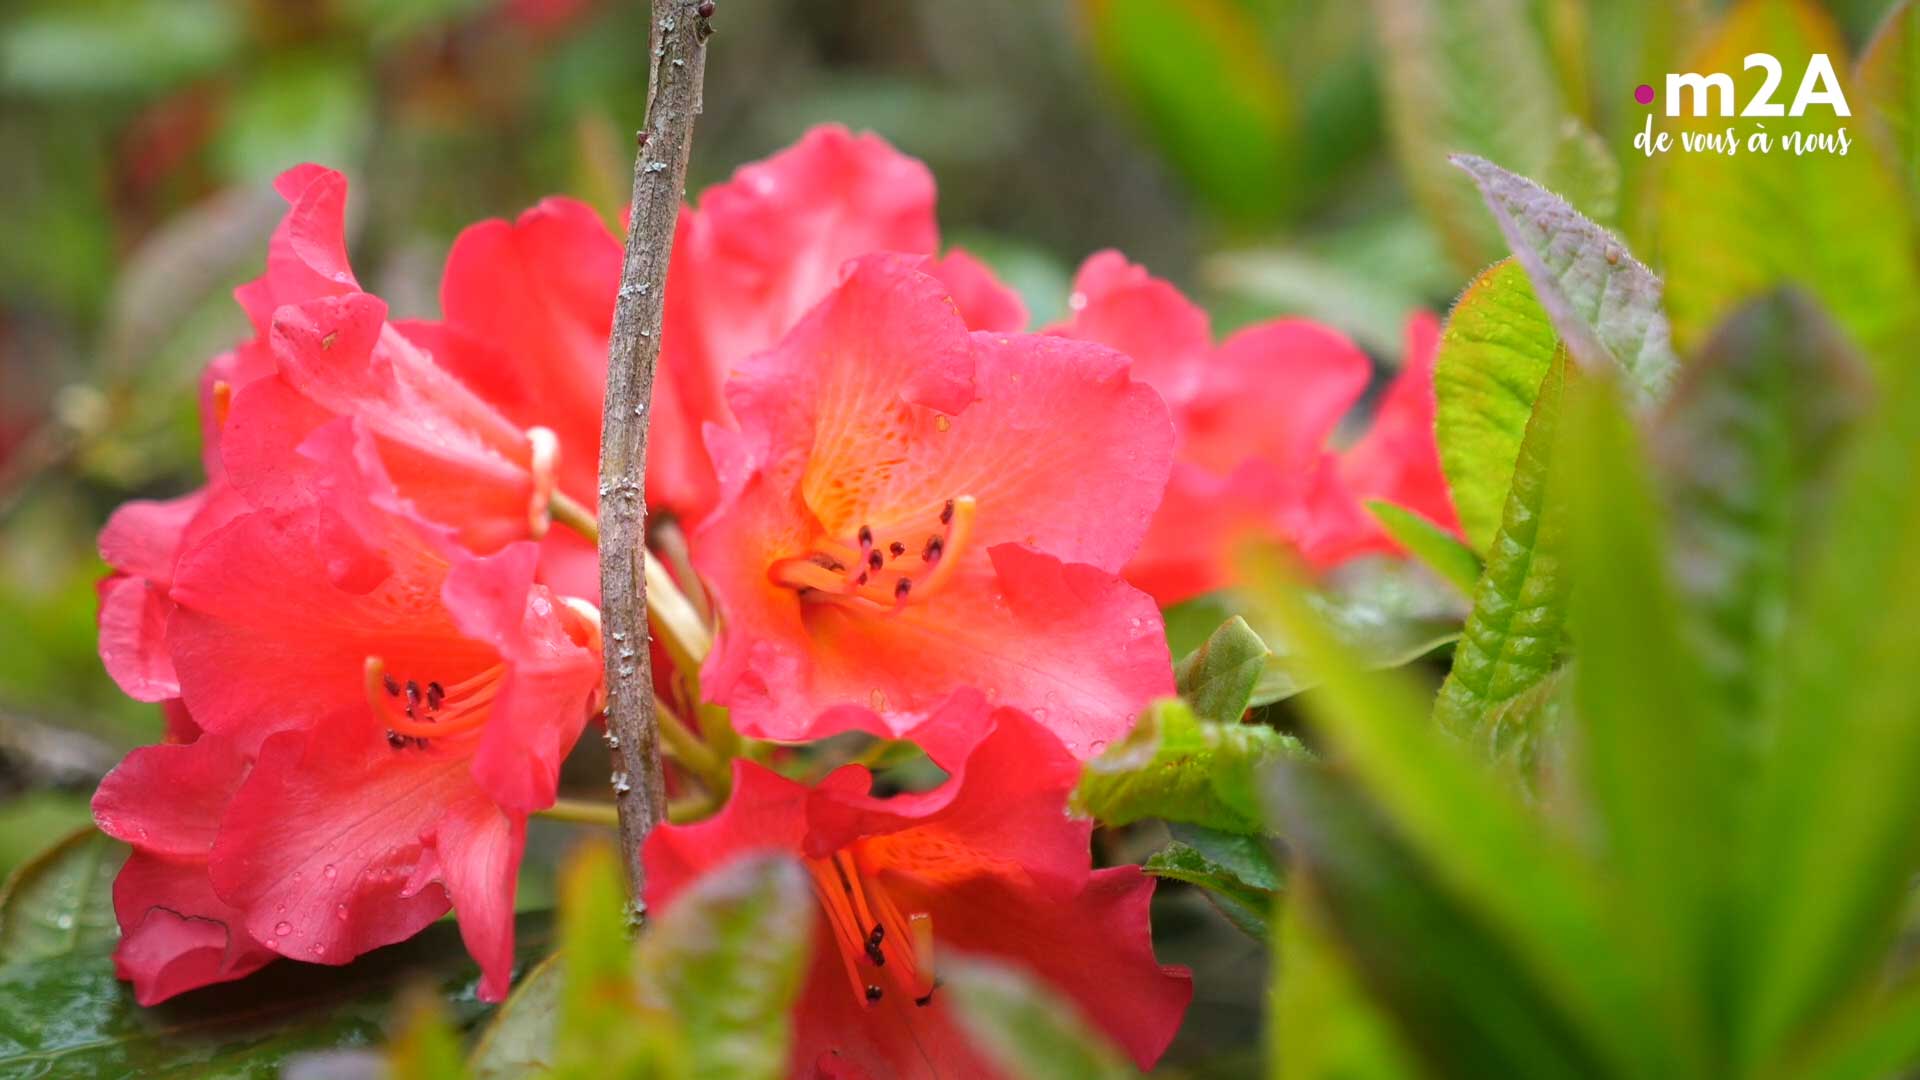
column 878, row 945
column 884, row 569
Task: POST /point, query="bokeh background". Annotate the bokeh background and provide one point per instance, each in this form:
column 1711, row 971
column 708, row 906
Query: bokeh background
column 1242, row 148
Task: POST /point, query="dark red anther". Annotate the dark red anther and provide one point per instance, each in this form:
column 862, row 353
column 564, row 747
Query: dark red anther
column 873, row 945
column 874, row 993
column 935, row 548
column 393, row 688
column 874, row 561
column 923, row 1002
column 866, row 538
column 897, row 549
column 902, row 587
column 435, row 695
column 413, row 696
column 946, row 513
column 395, row 739
column 862, row 579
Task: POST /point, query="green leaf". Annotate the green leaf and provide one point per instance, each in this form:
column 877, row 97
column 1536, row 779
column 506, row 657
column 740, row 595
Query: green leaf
column 1461, row 996
column 1321, row 1025
column 1889, row 79
column 725, row 964
column 71, row 1015
column 1515, row 634
column 1748, row 448
column 1213, row 98
column 117, row 48
column 1177, row 767
column 1487, row 852
column 594, row 1030
column 1495, row 350
column 1236, row 871
column 1028, row 1029
column 1832, row 845
column 708, row 992
column 1465, row 75
column 1387, row 611
column 1732, row 227
column 1435, row 547
column 1604, row 305
column 519, row 1039
column 427, row 1047
column 61, row 901
column 1582, row 169
column 1665, row 831
column 1218, row 678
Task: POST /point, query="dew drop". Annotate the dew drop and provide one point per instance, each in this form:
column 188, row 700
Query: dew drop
column 1097, row 745
column 328, row 872
column 64, row 922
column 340, row 912
column 318, row 949
column 283, row 928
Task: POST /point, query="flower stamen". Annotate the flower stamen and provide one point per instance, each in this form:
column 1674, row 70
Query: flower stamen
column 884, row 569
column 876, row 943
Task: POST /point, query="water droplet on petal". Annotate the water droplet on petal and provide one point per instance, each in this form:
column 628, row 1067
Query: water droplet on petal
column 318, row 949
column 340, row 912
column 283, row 928
column 328, row 872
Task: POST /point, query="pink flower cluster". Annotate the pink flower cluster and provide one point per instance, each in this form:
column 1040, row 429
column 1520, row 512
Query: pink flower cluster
column 914, row 518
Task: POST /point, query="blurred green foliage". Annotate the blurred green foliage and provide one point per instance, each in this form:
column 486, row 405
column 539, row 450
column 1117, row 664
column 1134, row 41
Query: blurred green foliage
column 1272, row 157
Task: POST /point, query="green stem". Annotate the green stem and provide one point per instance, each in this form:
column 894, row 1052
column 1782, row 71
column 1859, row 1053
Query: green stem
column 581, row 812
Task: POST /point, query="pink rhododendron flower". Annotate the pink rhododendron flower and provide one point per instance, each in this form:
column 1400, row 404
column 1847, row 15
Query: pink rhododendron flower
column 988, row 864
column 380, row 710
column 1254, row 415
column 527, row 305
column 910, row 508
column 324, row 349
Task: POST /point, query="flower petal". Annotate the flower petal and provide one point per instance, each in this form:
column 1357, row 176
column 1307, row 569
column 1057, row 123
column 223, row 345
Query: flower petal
column 133, row 638
column 175, row 934
column 983, row 301
column 1399, row 459
column 167, row 800
column 321, row 841
column 544, row 698
column 477, row 848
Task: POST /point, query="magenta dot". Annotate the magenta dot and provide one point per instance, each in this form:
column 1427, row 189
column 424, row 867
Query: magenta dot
column 1643, row 94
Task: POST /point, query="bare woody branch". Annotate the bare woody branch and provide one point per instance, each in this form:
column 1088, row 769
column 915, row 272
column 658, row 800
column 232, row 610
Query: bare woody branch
column 678, row 53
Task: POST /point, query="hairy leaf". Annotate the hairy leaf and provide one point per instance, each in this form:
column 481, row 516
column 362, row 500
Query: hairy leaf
column 1516, row 632
column 1603, row 303
column 1495, row 350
